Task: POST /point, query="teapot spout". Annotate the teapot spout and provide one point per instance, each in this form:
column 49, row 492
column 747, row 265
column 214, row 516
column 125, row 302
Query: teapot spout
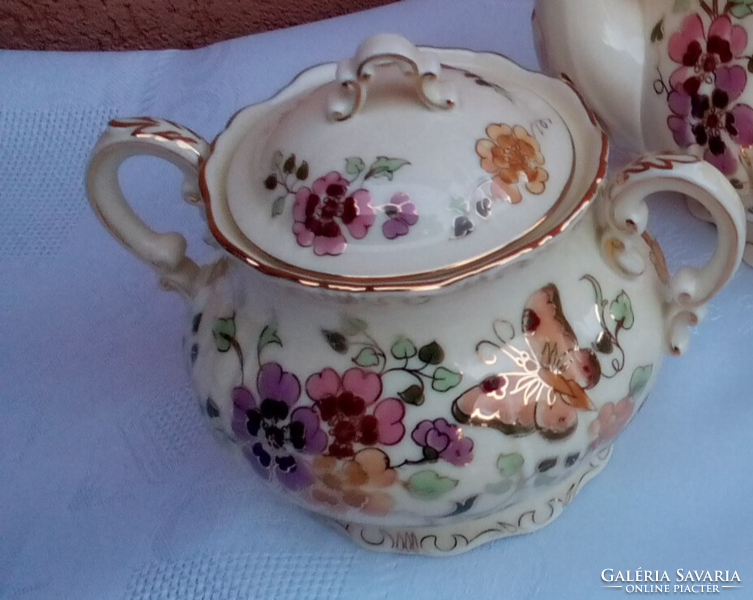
column 601, row 47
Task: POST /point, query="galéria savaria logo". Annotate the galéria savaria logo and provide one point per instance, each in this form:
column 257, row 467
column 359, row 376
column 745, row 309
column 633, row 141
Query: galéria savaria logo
column 682, row 581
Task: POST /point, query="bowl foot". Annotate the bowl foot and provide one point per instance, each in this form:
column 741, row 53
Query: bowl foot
column 444, row 540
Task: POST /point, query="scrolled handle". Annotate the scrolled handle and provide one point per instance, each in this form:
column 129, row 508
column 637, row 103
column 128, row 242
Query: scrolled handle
column 354, row 75
column 164, row 252
column 626, row 217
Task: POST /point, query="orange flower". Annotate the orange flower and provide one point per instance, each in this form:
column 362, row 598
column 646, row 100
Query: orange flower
column 508, row 153
column 355, row 483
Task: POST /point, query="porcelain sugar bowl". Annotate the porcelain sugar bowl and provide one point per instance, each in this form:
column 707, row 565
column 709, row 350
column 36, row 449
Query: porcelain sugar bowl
column 431, row 314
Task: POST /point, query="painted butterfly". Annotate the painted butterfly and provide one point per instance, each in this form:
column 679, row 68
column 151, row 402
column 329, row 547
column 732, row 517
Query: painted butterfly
column 549, row 386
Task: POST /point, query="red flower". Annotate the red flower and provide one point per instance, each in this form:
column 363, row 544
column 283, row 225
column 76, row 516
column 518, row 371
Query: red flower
column 349, row 406
column 319, row 210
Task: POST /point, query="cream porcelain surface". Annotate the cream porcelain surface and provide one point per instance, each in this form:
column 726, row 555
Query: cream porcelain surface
column 422, row 403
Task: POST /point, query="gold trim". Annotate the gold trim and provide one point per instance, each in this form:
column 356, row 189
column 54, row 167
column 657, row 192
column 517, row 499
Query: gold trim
column 426, row 281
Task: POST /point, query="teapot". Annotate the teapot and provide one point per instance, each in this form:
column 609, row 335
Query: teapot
column 430, row 314
column 662, row 74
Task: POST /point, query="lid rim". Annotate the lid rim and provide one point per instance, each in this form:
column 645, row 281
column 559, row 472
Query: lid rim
column 424, row 281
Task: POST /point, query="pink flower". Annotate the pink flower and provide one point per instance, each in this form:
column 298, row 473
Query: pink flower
column 702, row 56
column 351, row 408
column 319, row 210
column 612, row 418
column 442, row 440
column 401, row 216
column 713, row 121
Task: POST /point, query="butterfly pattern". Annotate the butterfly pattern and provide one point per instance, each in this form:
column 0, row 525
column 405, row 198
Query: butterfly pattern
column 549, row 383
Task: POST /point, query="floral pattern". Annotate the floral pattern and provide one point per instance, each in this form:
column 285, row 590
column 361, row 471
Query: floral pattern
column 334, row 204
column 706, row 86
column 441, row 440
column 360, row 483
column 273, row 434
column 509, row 153
column 318, row 212
column 401, row 216
column 330, row 442
column 613, row 416
column 350, row 407
column 334, row 441
column 701, row 55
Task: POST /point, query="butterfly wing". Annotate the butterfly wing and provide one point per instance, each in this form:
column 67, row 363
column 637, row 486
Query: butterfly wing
column 550, row 388
column 504, row 402
column 555, row 346
column 555, row 418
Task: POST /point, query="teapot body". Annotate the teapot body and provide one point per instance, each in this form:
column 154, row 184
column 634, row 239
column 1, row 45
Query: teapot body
column 661, row 75
column 697, row 92
column 459, row 377
column 426, row 418
column 599, row 45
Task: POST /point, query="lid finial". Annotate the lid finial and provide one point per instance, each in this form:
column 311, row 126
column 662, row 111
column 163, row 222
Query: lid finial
column 356, row 73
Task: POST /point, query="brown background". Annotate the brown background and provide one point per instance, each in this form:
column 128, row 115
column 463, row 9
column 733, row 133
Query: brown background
column 141, row 24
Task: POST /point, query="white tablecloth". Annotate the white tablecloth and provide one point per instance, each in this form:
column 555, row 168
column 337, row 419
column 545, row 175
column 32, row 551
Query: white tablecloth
column 111, row 485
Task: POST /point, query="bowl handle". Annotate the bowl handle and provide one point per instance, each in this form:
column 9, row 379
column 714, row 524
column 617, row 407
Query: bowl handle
column 164, row 252
column 355, row 74
column 625, row 215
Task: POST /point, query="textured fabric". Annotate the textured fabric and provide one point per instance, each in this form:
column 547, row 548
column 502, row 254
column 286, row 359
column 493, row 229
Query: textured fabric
column 111, row 484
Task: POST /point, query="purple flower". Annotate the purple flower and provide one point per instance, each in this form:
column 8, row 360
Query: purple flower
column 273, row 436
column 442, row 440
column 714, row 120
column 401, row 216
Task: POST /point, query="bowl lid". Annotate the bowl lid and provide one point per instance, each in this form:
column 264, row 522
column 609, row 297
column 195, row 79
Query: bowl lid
column 401, row 167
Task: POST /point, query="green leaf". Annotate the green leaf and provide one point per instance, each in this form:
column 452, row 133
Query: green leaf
column 354, row 165
column 459, row 205
column 276, row 159
column 224, row 333
column 428, row 485
column 278, row 206
column 385, row 167
column 352, row 325
column 639, row 380
column 431, row 354
column 289, row 164
column 510, row 464
column 303, row 171
column 403, row 348
column 413, row 395
column 741, row 8
column 268, row 336
column 336, row 340
column 622, row 311
column 367, row 358
column 657, row 34
column 499, row 488
column 444, row 379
